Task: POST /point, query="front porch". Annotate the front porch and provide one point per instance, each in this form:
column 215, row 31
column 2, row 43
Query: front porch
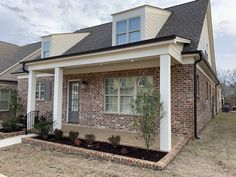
column 157, row 57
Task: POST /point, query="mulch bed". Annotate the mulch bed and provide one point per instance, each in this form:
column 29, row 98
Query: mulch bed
column 133, row 152
column 6, row 134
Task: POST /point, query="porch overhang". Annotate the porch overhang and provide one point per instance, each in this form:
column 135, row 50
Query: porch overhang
column 142, row 50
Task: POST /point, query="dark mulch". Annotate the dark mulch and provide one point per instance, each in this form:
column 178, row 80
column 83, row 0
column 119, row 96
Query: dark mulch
column 134, row 152
column 5, row 131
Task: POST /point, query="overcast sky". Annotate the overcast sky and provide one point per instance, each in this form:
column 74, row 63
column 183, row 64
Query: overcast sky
column 24, row 21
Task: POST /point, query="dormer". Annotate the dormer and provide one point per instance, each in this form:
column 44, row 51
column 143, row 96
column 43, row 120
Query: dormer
column 57, row 44
column 140, row 23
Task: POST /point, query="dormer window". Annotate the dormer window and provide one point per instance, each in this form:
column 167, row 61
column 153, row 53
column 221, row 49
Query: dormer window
column 128, row 31
column 46, row 49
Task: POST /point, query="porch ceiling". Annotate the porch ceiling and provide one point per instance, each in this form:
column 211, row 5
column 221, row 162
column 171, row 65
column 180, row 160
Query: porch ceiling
column 118, row 66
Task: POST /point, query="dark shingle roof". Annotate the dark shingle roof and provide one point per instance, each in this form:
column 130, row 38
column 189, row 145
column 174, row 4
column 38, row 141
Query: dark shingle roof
column 100, row 37
column 185, row 21
column 11, row 54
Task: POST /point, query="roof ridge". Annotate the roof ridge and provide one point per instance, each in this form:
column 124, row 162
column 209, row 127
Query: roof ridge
column 9, row 43
column 92, row 26
column 194, row 1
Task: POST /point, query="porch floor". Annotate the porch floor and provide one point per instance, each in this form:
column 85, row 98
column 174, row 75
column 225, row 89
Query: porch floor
column 127, row 138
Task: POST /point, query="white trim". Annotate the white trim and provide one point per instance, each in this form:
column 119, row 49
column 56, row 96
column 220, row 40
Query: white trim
column 118, row 55
column 37, row 75
column 19, row 62
column 67, row 99
column 58, row 100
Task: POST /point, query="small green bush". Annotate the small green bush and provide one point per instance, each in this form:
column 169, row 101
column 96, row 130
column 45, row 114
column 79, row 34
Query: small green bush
column 58, row 134
column 114, row 140
column 43, row 127
column 89, row 139
column 73, row 135
column 10, row 125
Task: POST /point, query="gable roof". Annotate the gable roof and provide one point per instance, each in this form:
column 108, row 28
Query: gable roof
column 185, row 21
column 10, row 54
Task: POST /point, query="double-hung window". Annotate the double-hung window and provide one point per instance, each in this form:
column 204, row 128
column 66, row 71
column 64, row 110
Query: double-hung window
column 134, row 29
column 46, row 49
column 120, row 91
column 40, row 91
column 4, row 100
column 128, row 31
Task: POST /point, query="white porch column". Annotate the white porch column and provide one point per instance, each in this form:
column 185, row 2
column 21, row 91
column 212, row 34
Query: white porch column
column 165, row 92
column 57, row 102
column 31, row 96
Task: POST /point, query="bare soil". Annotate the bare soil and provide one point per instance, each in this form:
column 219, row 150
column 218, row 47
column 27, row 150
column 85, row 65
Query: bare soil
column 214, row 154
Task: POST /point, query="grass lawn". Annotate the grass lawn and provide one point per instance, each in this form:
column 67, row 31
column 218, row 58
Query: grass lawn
column 213, row 155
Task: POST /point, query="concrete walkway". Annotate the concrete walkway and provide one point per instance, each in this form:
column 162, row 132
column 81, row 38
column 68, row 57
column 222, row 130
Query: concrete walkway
column 13, row 140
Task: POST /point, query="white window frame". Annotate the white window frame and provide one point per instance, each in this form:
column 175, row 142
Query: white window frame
column 48, row 50
column 127, row 32
column 119, row 95
column 40, row 91
column 9, row 99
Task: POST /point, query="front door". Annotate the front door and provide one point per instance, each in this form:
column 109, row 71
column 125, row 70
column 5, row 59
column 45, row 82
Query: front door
column 74, row 88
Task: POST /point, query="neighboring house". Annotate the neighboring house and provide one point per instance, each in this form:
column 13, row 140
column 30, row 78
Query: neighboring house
column 88, row 78
column 10, row 56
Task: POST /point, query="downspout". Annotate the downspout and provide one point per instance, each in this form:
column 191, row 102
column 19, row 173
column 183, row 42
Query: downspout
column 23, row 68
column 195, row 95
column 216, row 102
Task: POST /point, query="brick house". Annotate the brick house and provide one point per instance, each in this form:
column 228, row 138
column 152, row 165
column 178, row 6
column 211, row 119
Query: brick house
column 88, row 77
column 10, row 56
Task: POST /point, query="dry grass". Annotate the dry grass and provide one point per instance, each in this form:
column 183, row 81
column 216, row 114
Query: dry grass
column 213, row 155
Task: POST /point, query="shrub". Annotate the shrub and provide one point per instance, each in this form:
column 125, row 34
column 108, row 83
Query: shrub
column 77, row 142
column 73, row 135
column 10, row 125
column 148, row 107
column 58, row 134
column 43, row 127
column 89, row 139
column 114, row 140
column 124, row 151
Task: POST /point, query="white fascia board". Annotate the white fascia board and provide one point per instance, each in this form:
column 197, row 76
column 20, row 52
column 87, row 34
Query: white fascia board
column 19, row 62
column 182, row 40
column 25, row 76
column 125, row 54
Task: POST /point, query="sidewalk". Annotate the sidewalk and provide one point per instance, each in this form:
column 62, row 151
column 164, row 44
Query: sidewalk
column 13, row 140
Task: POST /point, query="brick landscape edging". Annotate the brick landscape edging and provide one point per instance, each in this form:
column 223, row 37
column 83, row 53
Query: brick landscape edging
column 8, row 135
column 107, row 156
column 162, row 163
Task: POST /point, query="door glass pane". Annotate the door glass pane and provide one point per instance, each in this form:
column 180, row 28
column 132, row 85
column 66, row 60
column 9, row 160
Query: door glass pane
column 75, row 97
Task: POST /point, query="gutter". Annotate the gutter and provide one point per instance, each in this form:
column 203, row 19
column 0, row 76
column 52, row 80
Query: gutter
column 108, row 49
column 202, row 58
column 195, row 95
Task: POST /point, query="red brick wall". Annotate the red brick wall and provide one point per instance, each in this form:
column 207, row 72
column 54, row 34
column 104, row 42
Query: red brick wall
column 9, row 86
column 42, row 106
column 204, row 104
column 92, row 99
